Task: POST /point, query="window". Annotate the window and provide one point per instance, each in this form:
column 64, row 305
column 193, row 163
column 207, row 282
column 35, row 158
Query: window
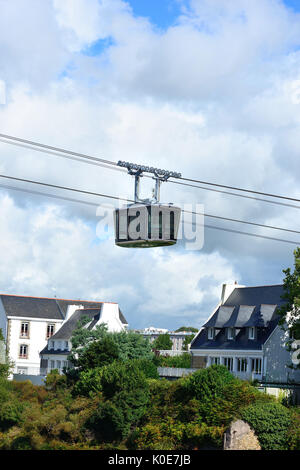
column 241, row 364
column 52, row 344
column 256, row 366
column 210, row 333
column 50, row 330
column 52, row 365
column 58, row 365
column 228, row 362
column 252, row 332
column 22, row 370
column 66, row 345
column 23, row 351
column 230, row 333
column 24, row 333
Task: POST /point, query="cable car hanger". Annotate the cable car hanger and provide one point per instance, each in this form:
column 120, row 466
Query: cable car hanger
column 147, row 223
column 159, row 177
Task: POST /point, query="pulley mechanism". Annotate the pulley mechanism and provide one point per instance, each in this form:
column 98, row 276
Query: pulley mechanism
column 147, row 223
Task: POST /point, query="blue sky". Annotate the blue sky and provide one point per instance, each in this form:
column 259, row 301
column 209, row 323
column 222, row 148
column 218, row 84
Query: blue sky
column 295, row 4
column 162, row 13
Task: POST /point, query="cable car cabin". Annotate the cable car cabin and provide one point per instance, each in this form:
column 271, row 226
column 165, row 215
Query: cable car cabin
column 146, row 225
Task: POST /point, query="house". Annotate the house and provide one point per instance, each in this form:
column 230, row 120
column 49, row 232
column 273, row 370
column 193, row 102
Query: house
column 243, row 334
column 55, row 354
column 27, row 323
column 177, row 338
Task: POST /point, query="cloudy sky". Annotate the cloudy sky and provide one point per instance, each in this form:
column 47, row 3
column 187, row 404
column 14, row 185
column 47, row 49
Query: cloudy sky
column 209, row 88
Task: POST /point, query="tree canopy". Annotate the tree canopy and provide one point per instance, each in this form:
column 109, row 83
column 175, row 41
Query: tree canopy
column 290, row 312
column 162, row 342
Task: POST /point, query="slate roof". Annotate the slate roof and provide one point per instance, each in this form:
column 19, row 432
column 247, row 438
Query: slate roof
column 66, row 330
column 31, row 307
column 42, row 307
column 245, row 307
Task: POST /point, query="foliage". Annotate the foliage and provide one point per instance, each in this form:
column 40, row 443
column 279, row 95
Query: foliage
column 124, row 406
column 126, row 394
column 82, row 338
column 89, row 383
column 271, row 423
column 132, row 345
column 187, row 340
column 7, row 365
column 55, row 381
column 290, row 311
column 148, row 367
column 182, row 361
column 97, row 348
column 187, row 328
column 97, row 354
column 162, row 342
column 207, row 384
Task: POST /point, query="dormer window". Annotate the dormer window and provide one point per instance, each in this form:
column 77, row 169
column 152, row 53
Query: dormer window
column 230, row 333
column 252, row 332
column 210, row 333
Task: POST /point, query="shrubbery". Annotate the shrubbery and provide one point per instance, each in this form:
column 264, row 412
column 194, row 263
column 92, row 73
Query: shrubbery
column 126, row 394
column 271, row 423
column 114, row 399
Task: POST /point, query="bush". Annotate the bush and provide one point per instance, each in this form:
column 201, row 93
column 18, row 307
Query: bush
column 10, row 414
column 126, row 391
column 182, row 361
column 98, row 354
column 271, row 423
column 89, row 382
column 148, row 367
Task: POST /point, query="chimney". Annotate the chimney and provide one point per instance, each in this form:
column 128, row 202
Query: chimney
column 227, row 289
column 71, row 309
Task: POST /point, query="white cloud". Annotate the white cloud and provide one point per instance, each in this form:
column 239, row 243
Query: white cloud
column 214, row 97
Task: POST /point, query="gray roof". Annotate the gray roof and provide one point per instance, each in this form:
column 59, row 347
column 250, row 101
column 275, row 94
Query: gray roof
column 66, row 330
column 40, row 307
column 245, row 307
column 31, row 307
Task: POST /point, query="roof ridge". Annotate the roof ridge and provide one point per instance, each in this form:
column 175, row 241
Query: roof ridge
column 256, row 287
column 55, row 298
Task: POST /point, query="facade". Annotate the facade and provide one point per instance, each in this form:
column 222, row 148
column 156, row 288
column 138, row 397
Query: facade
column 28, row 323
column 55, row 354
column 244, row 335
column 177, row 338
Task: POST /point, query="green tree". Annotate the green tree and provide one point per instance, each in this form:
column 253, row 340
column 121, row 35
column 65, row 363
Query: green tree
column 187, row 340
column 98, row 347
column 187, row 328
column 5, row 364
column 126, row 394
column 163, row 342
column 99, row 353
column 132, row 346
column 290, row 311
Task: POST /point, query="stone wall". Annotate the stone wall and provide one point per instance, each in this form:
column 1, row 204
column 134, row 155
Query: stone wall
column 239, row 436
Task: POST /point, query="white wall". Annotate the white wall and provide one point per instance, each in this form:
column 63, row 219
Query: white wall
column 36, row 341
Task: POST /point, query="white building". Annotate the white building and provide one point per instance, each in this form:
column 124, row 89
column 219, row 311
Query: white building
column 55, row 354
column 27, row 323
column 177, row 338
